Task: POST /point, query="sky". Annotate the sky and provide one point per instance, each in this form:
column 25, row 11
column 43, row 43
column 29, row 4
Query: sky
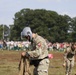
column 8, row 8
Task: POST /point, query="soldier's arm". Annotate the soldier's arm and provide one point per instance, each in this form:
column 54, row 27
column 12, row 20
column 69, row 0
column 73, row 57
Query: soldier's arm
column 65, row 56
column 37, row 51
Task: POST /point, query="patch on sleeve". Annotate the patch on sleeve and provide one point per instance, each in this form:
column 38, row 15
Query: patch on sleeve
column 39, row 44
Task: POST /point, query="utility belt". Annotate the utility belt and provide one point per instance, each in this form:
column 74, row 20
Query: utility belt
column 45, row 57
column 36, row 62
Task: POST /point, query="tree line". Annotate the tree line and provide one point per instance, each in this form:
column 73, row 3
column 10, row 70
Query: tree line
column 49, row 24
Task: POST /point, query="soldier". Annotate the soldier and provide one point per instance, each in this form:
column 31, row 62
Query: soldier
column 69, row 57
column 38, row 53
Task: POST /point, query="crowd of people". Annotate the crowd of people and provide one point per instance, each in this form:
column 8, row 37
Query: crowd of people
column 14, row 45
column 23, row 45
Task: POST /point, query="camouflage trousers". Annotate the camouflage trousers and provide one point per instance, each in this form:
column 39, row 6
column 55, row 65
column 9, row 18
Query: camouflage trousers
column 69, row 66
column 42, row 68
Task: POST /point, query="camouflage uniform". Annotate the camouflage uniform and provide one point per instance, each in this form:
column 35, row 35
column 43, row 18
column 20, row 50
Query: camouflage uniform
column 39, row 55
column 69, row 60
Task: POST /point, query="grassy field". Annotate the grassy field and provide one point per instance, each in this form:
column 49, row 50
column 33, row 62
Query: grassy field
column 9, row 61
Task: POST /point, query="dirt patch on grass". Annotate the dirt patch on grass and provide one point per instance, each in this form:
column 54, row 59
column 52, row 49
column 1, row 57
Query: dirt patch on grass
column 15, row 55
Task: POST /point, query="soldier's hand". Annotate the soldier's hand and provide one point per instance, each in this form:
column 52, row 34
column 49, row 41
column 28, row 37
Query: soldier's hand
column 23, row 53
column 64, row 64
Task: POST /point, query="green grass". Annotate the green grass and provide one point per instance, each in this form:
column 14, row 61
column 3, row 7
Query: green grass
column 7, row 68
column 9, row 61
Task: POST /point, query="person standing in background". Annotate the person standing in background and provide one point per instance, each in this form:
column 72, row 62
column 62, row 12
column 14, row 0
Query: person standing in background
column 69, row 58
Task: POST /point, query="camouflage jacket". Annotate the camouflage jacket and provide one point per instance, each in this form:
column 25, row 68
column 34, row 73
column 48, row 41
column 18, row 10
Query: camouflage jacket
column 39, row 49
column 69, row 54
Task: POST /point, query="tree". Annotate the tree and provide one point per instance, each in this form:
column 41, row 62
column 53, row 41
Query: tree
column 1, row 32
column 73, row 26
column 46, row 23
column 4, row 32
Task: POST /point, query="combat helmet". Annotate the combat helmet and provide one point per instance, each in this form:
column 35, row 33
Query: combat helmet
column 26, row 32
